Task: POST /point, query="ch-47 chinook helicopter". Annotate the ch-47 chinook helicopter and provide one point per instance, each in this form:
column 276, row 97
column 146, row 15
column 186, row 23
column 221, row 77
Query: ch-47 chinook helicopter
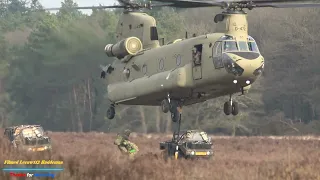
column 185, row 71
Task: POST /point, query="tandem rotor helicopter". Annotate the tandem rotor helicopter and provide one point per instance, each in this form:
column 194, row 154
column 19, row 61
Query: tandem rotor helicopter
column 185, row 71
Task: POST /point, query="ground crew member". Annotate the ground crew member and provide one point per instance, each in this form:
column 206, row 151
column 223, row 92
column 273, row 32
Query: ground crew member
column 126, row 146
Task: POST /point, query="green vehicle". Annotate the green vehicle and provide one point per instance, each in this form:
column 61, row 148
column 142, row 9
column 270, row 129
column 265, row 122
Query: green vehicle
column 191, row 144
column 28, row 138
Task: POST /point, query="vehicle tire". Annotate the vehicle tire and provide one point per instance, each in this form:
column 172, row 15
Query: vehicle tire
column 111, row 113
column 227, row 108
column 165, row 105
column 235, row 108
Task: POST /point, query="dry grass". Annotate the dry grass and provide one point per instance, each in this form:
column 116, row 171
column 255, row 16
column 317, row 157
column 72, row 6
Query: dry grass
column 93, row 156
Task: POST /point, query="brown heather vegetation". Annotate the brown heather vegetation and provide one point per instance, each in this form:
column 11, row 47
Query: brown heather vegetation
column 93, row 156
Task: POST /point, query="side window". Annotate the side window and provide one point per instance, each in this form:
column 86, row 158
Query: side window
column 153, row 33
column 144, row 69
column 253, row 47
column 161, row 64
column 217, row 52
column 196, row 54
column 178, row 60
column 218, row 49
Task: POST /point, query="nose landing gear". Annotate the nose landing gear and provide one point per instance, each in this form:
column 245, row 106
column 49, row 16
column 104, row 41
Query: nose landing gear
column 231, row 107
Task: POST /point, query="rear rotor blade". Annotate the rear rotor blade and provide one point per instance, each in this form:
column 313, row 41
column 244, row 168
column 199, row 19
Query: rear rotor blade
column 89, row 7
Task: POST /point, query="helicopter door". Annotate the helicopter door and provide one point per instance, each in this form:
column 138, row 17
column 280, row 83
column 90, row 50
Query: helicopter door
column 196, row 58
column 216, row 55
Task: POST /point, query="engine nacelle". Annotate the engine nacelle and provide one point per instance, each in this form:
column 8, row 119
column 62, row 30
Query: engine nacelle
column 128, row 46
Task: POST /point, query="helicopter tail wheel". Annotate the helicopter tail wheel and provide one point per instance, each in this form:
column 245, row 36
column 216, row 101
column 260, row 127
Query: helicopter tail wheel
column 227, row 108
column 111, row 112
column 235, row 108
column 165, row 105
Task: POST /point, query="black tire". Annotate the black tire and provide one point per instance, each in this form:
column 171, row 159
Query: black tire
column 165, row 105
column 175, row 116
column 173, row 106
column 227, row 108
column 111, row 113
column 235, row 108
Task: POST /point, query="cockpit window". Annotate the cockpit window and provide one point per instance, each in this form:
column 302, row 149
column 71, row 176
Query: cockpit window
column 243, row 46
column 253, row 46
column 230, row 46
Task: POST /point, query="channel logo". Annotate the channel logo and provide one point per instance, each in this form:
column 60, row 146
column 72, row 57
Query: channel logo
column 32, row 175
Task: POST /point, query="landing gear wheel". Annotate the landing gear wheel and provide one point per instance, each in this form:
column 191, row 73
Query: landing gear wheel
column 235, row 108
column 175, row 116
column 173, row 106
column 165, row 105
column 111, row 113
column 227, row 108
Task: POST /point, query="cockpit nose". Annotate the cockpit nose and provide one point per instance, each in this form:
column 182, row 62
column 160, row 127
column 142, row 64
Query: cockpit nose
column 243, row 64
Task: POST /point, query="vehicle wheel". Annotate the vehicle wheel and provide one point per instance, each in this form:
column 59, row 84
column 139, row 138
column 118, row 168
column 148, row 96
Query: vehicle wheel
column 227, row 108
column 165, row 105
column 111, row 113
column 235, row 108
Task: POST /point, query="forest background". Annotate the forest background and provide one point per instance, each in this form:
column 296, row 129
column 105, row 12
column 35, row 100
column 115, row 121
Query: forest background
column 50, row 71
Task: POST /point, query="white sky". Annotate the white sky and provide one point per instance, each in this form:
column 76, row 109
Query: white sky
column 57, row 3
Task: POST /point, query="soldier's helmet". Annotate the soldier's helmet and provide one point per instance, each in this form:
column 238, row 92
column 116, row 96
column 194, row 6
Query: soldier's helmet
column 126, row 134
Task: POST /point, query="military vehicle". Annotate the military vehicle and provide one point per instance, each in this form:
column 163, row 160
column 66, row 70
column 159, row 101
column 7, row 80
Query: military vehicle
column 28, row 137
column 189, row 70
column 190, row 144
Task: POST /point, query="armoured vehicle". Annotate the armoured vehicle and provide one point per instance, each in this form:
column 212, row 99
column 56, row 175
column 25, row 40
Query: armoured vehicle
column 190, row 144
column 147, row 71
column 28, row 137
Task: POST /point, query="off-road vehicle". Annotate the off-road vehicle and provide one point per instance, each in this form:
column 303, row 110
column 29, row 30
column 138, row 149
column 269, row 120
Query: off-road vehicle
column 28, row 137
column 188, row 144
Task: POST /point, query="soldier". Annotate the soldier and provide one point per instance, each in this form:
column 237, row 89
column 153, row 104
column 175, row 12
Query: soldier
column 196, row 56
column 126, row 146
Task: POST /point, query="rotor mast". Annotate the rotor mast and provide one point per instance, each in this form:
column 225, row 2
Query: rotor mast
column 237, row 25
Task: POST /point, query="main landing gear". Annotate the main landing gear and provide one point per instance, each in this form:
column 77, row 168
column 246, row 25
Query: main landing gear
column 174, row 106
column 231, row 107
column 111, row 112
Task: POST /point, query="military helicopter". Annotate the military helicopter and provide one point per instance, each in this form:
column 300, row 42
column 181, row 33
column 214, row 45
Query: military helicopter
column 185, row 71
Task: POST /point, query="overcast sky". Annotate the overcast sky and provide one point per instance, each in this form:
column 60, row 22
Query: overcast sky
column 57, row 3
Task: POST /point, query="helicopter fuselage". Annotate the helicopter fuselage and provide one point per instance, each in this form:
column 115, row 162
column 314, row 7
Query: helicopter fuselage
column 193, row 70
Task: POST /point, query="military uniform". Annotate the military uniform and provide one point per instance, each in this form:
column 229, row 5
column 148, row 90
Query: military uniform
column 196, row 56
column 126, row 146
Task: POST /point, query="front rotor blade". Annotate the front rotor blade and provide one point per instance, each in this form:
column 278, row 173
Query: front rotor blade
column 88, row 7
column 191, row 4
column 291, row 5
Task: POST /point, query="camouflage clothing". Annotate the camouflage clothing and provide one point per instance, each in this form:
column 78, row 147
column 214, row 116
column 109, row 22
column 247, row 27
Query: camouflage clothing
column 126, row 146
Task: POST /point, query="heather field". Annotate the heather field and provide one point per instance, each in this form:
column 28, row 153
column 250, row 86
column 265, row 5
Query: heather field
column 93, row 156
